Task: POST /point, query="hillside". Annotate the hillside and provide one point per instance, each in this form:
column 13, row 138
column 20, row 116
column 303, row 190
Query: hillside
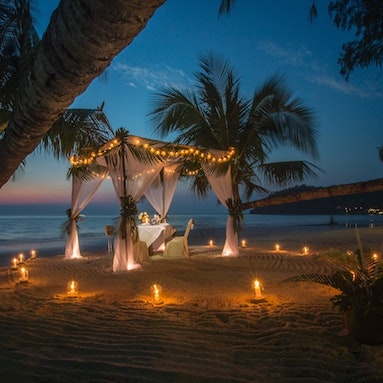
column 350, row 204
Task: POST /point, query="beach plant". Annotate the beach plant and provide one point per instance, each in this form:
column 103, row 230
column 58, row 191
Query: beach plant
column 359, row 278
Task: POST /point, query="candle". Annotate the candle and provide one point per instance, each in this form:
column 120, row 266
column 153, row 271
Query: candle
column 21, row 258
column 23, row 275
column 277, row 247
column 243, row 243
column 305, row 250
column 211, row 243
column 33, row 254
column 14, row 264
column 375, row 257
column 258, row 290
column 156, row 290
column 72, row 289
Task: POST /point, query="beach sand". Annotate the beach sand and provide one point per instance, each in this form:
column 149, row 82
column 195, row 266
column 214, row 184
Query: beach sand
column 207, row 328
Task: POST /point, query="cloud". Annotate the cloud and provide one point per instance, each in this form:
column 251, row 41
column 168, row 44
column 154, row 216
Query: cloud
column 315, row 71
column 153, row 77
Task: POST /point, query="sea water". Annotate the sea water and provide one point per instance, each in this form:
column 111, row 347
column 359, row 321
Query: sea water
column 22, row 232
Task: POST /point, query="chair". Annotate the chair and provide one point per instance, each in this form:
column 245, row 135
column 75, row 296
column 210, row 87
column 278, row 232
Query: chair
column 140, row 251
column 178, row 245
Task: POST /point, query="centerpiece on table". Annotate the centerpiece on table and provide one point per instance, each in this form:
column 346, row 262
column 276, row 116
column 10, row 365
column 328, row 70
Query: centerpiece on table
column 359, row 279
column 144, row 217
column 156, row 220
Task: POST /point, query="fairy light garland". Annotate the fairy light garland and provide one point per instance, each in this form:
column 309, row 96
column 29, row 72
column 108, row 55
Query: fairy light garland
column 163, row 152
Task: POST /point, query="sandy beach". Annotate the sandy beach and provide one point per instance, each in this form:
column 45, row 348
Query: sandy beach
column 206, row 328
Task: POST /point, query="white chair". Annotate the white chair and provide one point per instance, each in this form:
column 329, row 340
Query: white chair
column 178, row 245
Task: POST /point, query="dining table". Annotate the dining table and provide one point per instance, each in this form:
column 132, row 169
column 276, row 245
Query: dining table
column 155, row 236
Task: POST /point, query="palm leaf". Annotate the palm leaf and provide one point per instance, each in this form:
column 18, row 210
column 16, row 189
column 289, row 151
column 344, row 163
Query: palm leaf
column 284, row 173
column 341, row 280
column 75, row 131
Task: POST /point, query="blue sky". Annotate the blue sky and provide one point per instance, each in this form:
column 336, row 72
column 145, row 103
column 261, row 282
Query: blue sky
column 260, row 38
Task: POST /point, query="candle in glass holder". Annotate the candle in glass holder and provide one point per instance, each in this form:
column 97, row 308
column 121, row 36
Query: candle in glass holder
column 14, row 264
column 72, row 289
column 21, row 258
column 156, row 291
column 33, row 254
column 258, row 290
column 23, row 275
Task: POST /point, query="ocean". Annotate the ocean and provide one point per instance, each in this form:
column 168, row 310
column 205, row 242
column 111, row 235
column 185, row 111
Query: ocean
column 22, row 232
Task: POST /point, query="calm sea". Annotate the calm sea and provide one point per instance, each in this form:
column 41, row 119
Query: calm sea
column 42, row 232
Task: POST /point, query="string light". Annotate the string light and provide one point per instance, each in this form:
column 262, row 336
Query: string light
column 161, row 150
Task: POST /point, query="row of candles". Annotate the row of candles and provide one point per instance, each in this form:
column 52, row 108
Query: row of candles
column 20, row 260
column 277, row 247
column 156, row 290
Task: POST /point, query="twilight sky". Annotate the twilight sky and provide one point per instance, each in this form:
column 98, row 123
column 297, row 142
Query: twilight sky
column 260, row 38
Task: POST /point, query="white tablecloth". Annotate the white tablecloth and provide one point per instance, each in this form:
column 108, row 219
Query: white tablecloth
column 155, row 235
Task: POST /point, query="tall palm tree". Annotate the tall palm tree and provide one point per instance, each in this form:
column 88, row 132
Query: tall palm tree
column 215, row 115
column 66, row 60
column 81, row 40
column 74, row 128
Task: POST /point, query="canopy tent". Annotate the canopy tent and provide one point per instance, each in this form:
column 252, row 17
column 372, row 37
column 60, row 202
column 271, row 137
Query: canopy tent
column 139, row 166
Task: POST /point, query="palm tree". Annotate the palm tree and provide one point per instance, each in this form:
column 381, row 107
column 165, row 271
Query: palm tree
column 75, row 128
column 80, row 42
column 66, row 60
column 215, row 115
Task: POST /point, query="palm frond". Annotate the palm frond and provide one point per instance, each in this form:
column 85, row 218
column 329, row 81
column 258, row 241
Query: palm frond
column 284, row 173
column 86, row 173
column 341, row 280
column 225, row 6
column 313, row 14
column 75, row 131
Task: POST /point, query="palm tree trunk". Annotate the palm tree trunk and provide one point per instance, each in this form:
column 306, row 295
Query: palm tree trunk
column 324, row 192
column 81, row 40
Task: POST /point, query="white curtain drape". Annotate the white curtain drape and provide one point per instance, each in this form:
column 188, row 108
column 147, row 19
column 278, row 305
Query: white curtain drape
column 222, row 187
column 161, row 192
column 82, row 192
column 138, row 176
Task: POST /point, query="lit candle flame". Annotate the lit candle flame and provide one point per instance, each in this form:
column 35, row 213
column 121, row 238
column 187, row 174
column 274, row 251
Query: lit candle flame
column 156, row 293
column 277, row 247
column 72, row 289
column 305, row 250
column 257, row 289
column 23, row 274
column 21, row 258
